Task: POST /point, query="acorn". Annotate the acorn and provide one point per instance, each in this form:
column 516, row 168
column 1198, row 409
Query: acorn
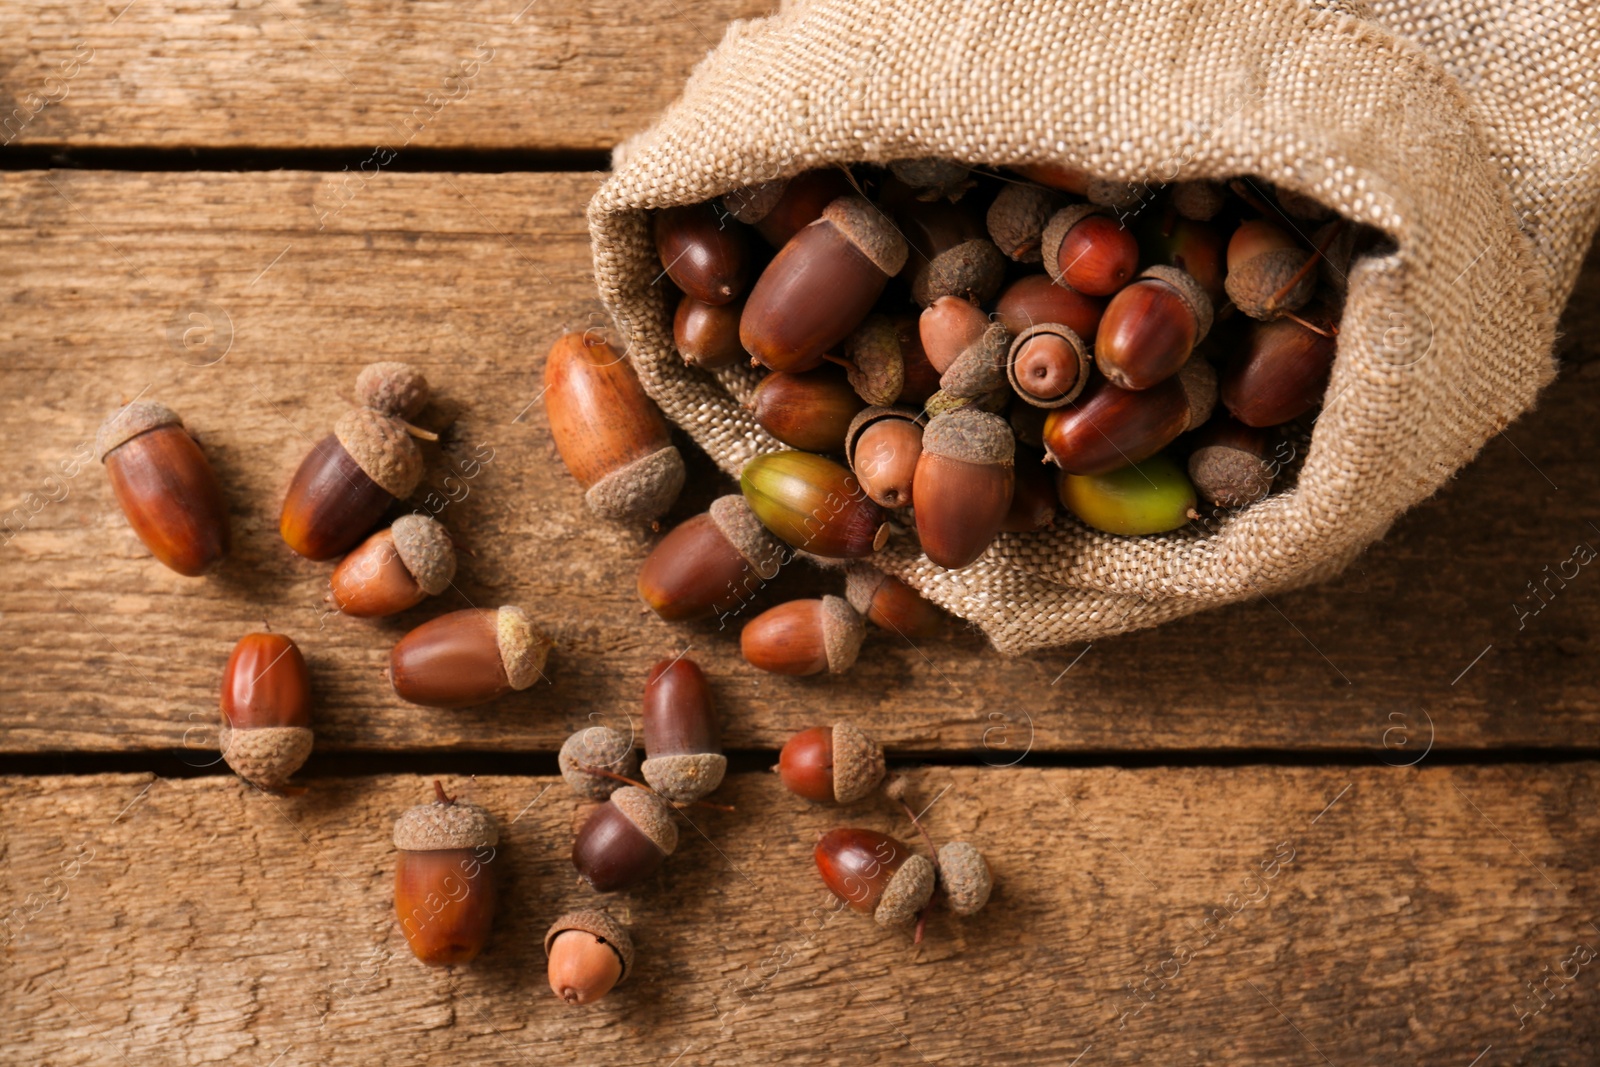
column 266, row 710
column 609, row 433
column 1145, row 498
column 875, row 874
column 809, row 411
column 711, row 563
column 1035, row 299
column 1198, row 379
column 1107, row 427
column 813, row 504
column 705, row 253
column 892, row 605
column 885, row 362
column 707, row 335
column 821, row 285
column 963, row 485
column 965, row 877
column 1033, row 501
column 394, row 569
column 624, row 840
column 942, row 402
column 835, row 764
column 347, row 481
column 165, row 487
column 781, row 208
column 933, row 179
column 1048, row 365
column 444, row 885
column 804, row 637
column 1200, row 248
column 882, row 446
column 1198, row 200
column 590, row 953
column 980, row 369
column 1281, row 370
column 948, row 327
column 1027, row 423
column 951, row 254
column 1151, row 327
column 468, row 657
column 392, row 388
column 1056, row 176
column 602, row 748
column 1268, row 272
column 1089, row 250
column 1017, row 219
column 682, row 742
column 1229, row 465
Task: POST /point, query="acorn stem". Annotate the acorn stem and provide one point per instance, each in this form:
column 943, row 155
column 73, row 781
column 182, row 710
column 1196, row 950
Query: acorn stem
column 602, row 772
column 927, row 839
column 438, row 791
column 418, row 432
column 1331, row 331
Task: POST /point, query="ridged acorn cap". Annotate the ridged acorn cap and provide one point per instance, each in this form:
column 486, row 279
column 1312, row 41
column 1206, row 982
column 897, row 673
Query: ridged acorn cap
column 980, row 368
column 866, row 227
column 382, row 449
column 438, row 826
column 524, row 648
column 685, row 776
column 965, row 876
column 427, row 551
column 972, row 269
column 393, row 388
column 601, row 926
column 970, row 435
column 842, row 633
column 1110, row 192
column 1056, row 231
column 1192, row 293
column 749, row 538
column 857, row 763
column 641, row 490
column 874, row 363
column 861, row 584
column 1017, row 219
column 1198, row 200
column 908, row 892
column 650, row 814
column 265, row 755
column 597, row 746
column 1252, row 284
column 933, row 178
column 129, row 421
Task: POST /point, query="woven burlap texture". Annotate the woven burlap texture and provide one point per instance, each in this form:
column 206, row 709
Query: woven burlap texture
column 1463, row 131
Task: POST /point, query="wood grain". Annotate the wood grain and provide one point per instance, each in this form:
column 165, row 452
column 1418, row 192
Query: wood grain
column 1431, row 636
column 348, row 74
column 1259, row 915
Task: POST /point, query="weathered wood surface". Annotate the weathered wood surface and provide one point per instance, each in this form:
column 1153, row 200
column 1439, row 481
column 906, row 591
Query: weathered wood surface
column 348, row 75
column 1261, row 915
column 472, row 276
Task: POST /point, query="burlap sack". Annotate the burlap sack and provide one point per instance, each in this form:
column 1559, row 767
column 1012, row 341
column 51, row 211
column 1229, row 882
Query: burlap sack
column 1463, row 130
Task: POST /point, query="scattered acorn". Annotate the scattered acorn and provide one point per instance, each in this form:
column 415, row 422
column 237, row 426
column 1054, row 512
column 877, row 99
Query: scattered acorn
column 1034, row 299
column 444, row 885
column 266, row 710
column 1280, row 371
column 589, row 954
column 951, row 254
column 392, row 388
column 165, row 487
column 394, row 569
column 1150, row 328
column 875, row 874
column 468, row 657
column 682, row 741
column 836, row 764
column 347, row 481
column 948, row 327
column 707, row 335
column 599, row 748
column 624, row 840
column 711, row 563
column 1017, row 219
column 1048, row 365
column 804, row 637
column 965, row 877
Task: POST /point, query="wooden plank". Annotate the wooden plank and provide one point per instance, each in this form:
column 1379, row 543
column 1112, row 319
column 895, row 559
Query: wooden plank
column 1248, row 915
column 1432, row 635
column 356, row 74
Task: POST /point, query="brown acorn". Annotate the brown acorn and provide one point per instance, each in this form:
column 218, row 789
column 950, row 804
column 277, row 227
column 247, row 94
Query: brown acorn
column 1089, row 250
column 836, row 764
column 1027, row 422
column 809, row 411
column 1151, row 327
column 1200, row 248
column 624, row 840
column 704, row 252
column 948, row 327
column 951, row 254
column 590, row 953
column 963, row 485
column 882, row 446
column 892, row 605
column 266, row 710
column 396, row 389
column 468, row 657
column 682, row 742
column 804, row 637
column 707, row 335
column 965, row 877
column 1034, row 501
column 781, row 208
column 609, row 433
column 821, row 285
column 1108, row 427
column 165, row 487
column 1017, row 219
column 1034, row 299
column 1229, row 465
column 444, row 879
column 346, row 483
column 710, row 564
column 875, row 874
column 394, row 569
column 602, row 748
column 1048, row 365
column 1280, row 371
column 812, row 503
column 1268, row 272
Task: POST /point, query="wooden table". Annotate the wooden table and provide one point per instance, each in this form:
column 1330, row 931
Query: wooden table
column 1354, row 825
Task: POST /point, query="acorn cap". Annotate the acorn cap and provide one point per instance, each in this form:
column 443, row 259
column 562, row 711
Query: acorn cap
column 972, row 269
column 755, row 202
column 1109, row 192
column 861, row 584
column 1198, row 200
column 597, row 746
column 129, row 421
column 382, row 449
column 908, row 892
column 397, row 389
column 523, row 646
column 980, row 368
column 1229, row 477
column 425, row 548
column 438, row 826
column 1017, row 219
column 1199, row 381
column 866, row 227
column 650, row 814
column 1253, row 284
column 842, row 633
column 1192, row 293
column 744, row 532
column 874, row 363
column 1067, row 334
column 601, row 926
column 857, row 763
column 970, row 435
column 866, row 417
column 265, row 755
column 686, row 776
column 1055, row 232
column 933, row 178
column 641, row 490
column 964, row 874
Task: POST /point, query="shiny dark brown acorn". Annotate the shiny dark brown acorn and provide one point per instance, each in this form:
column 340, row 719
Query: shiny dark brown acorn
column 813, row 504
column 1034, row 299
column 624, row 840
column 609, row 433
column 1280, row 371
column 949, row 326
column 963, row 485
column 346, row 483
column 394, row 569
column 821, row 285
column 1048, row 365
column 1089, row 250
column 707, row 335
column 951, row 254
column 882, row 447
column 444, row 879
column 804, row 637
column 809, row 411
column 781, row 208
column 1108, row 427
column 1268, row 272
column 703, row 251
column 712, row 563
column 1229, row 465
column 589, row 954
column 266, row 710
column 875, row 874
column 468, row 657
column 682, row 742
column 1034, row 501
column 892, row 605
column 835, row 764
column 1151, row 327
column 165, row 487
